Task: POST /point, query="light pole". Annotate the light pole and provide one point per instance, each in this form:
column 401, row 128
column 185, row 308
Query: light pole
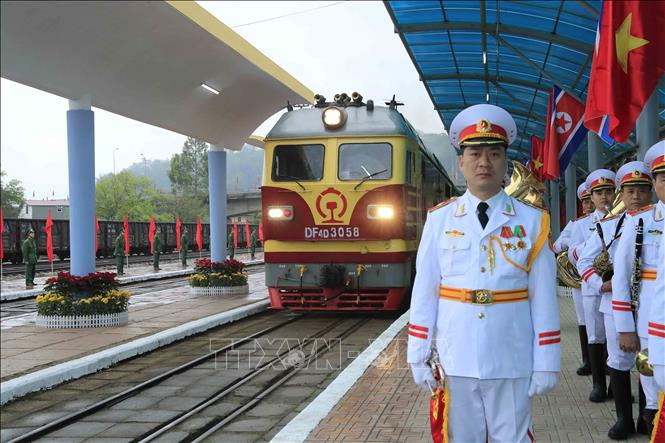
column 116, row 149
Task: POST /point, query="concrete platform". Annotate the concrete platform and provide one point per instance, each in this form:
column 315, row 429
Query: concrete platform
column 12, row 287
column 35, row 358
column 385, row 405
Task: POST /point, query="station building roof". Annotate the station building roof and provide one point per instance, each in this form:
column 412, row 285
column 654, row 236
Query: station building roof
column 527, row 45
column 147, row 61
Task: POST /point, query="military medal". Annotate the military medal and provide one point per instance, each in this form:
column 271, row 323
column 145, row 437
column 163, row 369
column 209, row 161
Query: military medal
column 520, row 233
column 506, row 232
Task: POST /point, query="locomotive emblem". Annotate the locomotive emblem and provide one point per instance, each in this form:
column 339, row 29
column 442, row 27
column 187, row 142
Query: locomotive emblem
column 331, row 203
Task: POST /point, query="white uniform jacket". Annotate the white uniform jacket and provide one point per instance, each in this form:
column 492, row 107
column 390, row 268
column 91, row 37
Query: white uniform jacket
column 507, row 339
column 592, row 248
column 583, row 229
column 656, row 323
column 563, row 242
column 623, row 269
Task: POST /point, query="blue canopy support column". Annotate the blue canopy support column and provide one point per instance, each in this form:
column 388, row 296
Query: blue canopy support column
column 570, row 179
column 555, row 212
column 81, row 158
column 217, row 195
column 647, row 126
column 595, row 146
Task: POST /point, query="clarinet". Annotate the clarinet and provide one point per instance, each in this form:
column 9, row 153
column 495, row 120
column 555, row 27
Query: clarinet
column 636, row 277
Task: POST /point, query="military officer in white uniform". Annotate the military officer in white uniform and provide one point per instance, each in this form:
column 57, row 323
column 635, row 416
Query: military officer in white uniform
column 633, row 339
column 485, row 293
column 600, row 183
column 562, row 244
column 655, row 158
column 634, row 182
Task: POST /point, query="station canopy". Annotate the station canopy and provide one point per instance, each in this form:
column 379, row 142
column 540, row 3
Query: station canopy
column 147, row 61
column 507, row 53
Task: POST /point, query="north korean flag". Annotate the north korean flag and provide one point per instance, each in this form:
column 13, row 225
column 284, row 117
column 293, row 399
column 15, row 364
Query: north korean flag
column 628, row 62
column 564, row 134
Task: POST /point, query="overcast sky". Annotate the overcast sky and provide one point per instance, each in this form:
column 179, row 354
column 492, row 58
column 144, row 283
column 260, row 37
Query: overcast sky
column 330, row 47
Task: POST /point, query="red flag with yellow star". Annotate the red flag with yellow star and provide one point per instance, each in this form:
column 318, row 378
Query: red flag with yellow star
column 536, row 163
column 628, row 62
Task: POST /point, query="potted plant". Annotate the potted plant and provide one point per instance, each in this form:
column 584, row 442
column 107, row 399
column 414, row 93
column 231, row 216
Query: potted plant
column 91, row 301
column 215, row 278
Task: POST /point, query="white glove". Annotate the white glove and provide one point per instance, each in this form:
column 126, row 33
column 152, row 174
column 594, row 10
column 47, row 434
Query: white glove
column 659, row 376
column 542, row 382
column 422, row 375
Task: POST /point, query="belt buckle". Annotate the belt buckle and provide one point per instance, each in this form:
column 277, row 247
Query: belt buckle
column 482, row 297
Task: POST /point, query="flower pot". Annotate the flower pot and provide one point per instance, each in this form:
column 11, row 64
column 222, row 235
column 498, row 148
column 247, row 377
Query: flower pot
column 82, row 321
column 219, row 290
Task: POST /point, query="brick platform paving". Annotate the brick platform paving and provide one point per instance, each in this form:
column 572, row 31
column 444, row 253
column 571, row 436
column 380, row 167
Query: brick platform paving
column 385, row 405
column 27, row 348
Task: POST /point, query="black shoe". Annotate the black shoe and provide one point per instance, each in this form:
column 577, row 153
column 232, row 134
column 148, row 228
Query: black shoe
column 585, row 369
column 624, row 426
column 597, row 361
column 645, row 421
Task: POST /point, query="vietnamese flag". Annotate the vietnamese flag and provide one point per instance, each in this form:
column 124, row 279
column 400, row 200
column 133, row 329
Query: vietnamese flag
column 2, row 229
column 177, row 234
column 151, row 234
column 126, row 226
column 247, row 239
column 536, row 163
column 96, row 234
column 235, row 234
column 199, row 234
column 49, row 237
column 628, row 62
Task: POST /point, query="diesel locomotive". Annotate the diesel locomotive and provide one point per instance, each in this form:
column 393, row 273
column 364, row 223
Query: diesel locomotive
column 346, row 188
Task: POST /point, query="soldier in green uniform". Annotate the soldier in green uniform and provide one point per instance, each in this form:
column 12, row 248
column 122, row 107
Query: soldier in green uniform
column 253, row 240
column 184, row 244
column 156, row 250
column 229, row 244
column 29, row 250
column 119, row 252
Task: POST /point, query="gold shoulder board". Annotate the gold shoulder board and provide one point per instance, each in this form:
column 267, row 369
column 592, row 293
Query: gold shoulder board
column 442, row 204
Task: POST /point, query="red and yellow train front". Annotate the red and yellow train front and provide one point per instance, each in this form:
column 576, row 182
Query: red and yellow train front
column 340, row 219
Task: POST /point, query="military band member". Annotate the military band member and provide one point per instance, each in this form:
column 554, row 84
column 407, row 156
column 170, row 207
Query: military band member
column 119, row 252
column 29, row 250
column 600, row 183
column 634, row 182
column 656, row 325
column 485, row 293
column 563, row 244
column 633, row 339
column 184, row 246
column 156, row 250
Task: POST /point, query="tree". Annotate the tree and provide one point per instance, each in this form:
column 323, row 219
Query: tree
column 12, row 197
column 189, row 170
column 122, row 194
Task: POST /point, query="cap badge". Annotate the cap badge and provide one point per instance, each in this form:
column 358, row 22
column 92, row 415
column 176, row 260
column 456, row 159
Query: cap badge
column 483, row 126
column 602, row 180
column 637, row 174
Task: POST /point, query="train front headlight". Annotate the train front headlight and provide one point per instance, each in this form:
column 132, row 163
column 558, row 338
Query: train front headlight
column 280, row 212
column 333, row 117
column 380, row 212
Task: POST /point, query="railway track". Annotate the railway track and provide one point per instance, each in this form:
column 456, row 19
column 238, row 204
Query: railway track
column 43, row 266
column 281, row 362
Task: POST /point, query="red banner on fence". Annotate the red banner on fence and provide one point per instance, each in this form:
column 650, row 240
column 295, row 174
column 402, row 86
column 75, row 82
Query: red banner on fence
column 151, row 234
column 249, row 243
column 126, row 225
column 96, row 234
column 49, row 237
column 177, row 234
column 199, row 234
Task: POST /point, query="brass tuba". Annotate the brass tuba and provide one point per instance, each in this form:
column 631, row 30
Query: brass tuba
column 525, row 186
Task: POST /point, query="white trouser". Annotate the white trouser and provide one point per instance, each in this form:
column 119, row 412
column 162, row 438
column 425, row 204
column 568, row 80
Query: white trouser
column 579, row 307
column 617, row 359
column 649, row 385
column 595, row 325
column 496, row 410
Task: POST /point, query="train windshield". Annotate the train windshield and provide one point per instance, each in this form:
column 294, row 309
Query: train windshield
column 297, row 162
column 371, row 161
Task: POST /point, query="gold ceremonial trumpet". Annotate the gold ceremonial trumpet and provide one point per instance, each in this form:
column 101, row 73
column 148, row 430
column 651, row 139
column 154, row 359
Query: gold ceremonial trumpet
column 642, row 363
